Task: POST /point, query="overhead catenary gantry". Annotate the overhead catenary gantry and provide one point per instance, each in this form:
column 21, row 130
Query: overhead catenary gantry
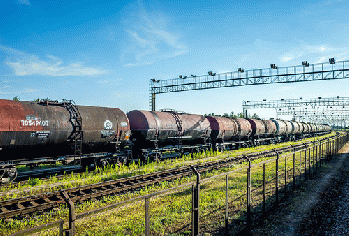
column 301, row 73
column 333, row 110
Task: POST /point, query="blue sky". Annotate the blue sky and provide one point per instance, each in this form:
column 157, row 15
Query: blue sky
column 103, row 53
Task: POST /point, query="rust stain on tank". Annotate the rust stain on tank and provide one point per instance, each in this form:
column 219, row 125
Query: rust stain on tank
column 16, row 116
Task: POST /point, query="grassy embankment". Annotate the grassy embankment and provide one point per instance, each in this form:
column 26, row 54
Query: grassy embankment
column 168, row 212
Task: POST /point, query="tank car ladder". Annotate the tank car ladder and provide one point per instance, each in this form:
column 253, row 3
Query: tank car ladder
column 178, row 124
column 77, row 134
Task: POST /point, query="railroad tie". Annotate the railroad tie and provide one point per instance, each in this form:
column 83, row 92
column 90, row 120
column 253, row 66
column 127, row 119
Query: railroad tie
column 3, row 210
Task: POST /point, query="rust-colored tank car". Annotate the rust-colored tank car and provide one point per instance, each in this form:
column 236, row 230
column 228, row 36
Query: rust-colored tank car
column 289, row 127
column 244, row 128
column 270, row 127
column 298, row 127
column 146, row 125
column 103, row 125
column 307, row 128
column 45, row 127
column 222, row 128
column 280, row 126
column 258, row 127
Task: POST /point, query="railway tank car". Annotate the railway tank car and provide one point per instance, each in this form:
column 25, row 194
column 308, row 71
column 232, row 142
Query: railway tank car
column 222, row 129
column 29, row 129
column 153, row 128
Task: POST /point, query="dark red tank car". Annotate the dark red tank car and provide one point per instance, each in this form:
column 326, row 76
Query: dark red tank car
column 280, row 126
column 151, row 125
column 222, row 128
column 244, row 128
column 30, row 129
column 258, row 127
column 270, row 127
column 289, row 127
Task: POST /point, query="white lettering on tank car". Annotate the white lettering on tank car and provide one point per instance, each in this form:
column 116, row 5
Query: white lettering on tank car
column 32, row 120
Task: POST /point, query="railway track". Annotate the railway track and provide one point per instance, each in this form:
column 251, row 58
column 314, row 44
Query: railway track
column 21, row 207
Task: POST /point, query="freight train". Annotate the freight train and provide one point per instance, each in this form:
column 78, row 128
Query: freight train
column 32, row 132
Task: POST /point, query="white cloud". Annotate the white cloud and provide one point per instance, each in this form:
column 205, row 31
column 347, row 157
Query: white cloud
column 24, row 2
column 26, row 64
column 314, row 54
column 286, row 59
column 108, row 82
column 150, row 41
column 286, row 88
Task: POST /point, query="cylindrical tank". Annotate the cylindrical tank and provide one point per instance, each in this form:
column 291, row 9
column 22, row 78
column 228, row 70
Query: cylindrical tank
column 296, row 128
column 244, row 127
column 313, row 128
column 28, row 123
column 270, row 127
column 146, row 125
column 222, row 128
column 258, row 127
column 305, row 128
column 103, row 124
column 300, row 127
column 280, row 126
column 289, row 127
column 37, row 129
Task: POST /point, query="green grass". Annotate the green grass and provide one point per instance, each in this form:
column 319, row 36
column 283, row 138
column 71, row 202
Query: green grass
column 170, row 213
column 69, row 180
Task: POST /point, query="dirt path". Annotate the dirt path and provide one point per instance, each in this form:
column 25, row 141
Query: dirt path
column 304, row 213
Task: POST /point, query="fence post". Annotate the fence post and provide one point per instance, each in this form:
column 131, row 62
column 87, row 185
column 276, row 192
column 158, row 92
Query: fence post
column 147, row 217
column 264, row 198
column 249, row 194
column 60, row 228
column 277, row 179
column 195, row 206
column 327, row 149
column 285, row 174
column 320, row 153
column 309, row 169
column 226, row 206
column 300, row 162
column 294, row 170
column 72, row 216
column 316, row 156
column 305, row 159
column 314, row 159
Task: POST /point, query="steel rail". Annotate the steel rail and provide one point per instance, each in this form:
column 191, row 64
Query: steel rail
column 20, row 207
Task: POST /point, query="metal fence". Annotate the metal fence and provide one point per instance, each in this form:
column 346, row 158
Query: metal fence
column 226, row 202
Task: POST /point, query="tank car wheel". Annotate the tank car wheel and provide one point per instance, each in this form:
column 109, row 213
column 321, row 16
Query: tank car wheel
column 100, row 162
column 8, row 174
column 155, row 157
column 121, row 161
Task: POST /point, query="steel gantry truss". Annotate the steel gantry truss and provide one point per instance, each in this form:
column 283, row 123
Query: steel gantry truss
column 334, row 110
column 305, row 72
